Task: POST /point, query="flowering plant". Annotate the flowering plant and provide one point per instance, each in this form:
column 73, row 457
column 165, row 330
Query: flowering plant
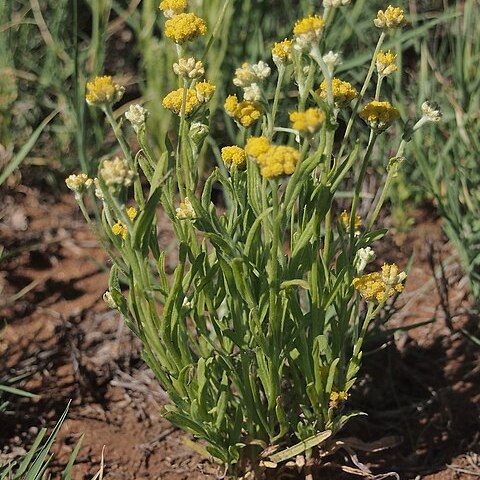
column 258, row 334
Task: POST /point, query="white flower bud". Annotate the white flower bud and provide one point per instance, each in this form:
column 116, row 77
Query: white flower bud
column 252, row 93
column 189, row 68
column 431, row 111
column 331, row 60
column 137, row 116
column 363, row 257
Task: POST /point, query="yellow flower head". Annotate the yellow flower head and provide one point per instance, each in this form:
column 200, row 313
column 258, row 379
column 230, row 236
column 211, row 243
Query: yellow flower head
column 102, row 91
column 172, row 7
column 308, row 31
column 234, row 155
column 205, row 91
column 257, row 146
column 245, row 112
column 307, row 122
column 380, row 286
column 313, row 23
column 386, row 63
column 343, row 92
column 132, row 213
column 379, row 115
column 120, row 229
column 277, row 160
column 345, row 219
column 282, row 51
column 184, row 27
column 337, row 399
column 173, row 101
column 391, row 18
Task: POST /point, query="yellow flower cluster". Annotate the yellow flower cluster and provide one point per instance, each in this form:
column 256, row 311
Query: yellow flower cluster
column 205, row 91
column 102, row 91
column 195, row 97
column 120, row 229
column 185, row 27
column 307, row 122
column 308, row 31
column 310, row 24
column 379, row 115
column 245, row 112
column 380, row 286
column 282, row 51
column 391, row 18
column 234, row 155
column 337, row 399
column 345, row 219
column 386, row 63
column 343, row 92
column 273, row 160
column 172, row 7
column 132, row 213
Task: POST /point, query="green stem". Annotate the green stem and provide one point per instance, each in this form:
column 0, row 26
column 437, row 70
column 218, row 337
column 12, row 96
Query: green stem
column 386, row 188
column 276, row 98
column 361, row 95
column 358, row 186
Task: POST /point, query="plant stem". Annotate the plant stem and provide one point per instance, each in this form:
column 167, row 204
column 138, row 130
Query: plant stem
column 361, row 95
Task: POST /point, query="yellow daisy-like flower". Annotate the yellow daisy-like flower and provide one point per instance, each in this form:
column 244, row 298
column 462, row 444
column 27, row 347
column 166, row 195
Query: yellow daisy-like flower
column 120, row 229
column 173, row 101
column 172, row 7
column 132, row 213
column 391, row 18
column 307, row 122
column 282, row 51
column 205, row 91
column 380, row 286
column 185, row 27
column 343, row 92
column 379, row 115
column 386, row 63
column 234, row 155
column 245, row 112
column 102, row 91
column 257, row 146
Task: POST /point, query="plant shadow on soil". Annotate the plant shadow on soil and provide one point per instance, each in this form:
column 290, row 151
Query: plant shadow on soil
column 422, row 388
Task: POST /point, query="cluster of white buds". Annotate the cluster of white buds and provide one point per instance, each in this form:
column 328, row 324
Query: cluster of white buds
column 331, row 60
column 189, row 68
column 78, row 183
column 186, row 210
column 116, row 173
column 363, row 257
column 248, row 77
column 137, row 116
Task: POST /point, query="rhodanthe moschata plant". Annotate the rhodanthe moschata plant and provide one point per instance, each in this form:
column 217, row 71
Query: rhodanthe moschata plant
column 257, row 335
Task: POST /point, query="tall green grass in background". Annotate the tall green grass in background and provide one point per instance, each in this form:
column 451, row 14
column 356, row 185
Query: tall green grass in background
column 448, row 158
